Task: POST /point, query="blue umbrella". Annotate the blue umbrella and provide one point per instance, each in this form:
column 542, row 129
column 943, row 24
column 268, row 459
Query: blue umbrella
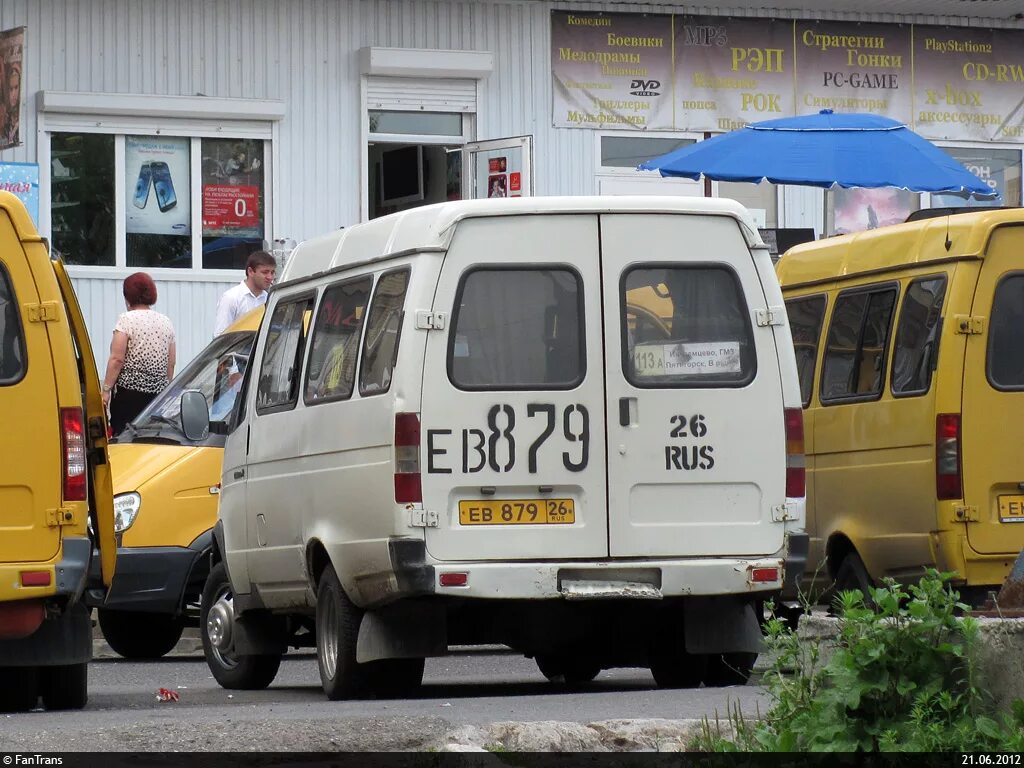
column 824, row 150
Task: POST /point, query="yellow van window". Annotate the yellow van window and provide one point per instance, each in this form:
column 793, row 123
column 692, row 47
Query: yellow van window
column 1005, row 346
column 331, row 372
column 685, row 327
column 12, row 343
column 805, row 319
column 916, row 349
column 854, row 365
column 278, row 386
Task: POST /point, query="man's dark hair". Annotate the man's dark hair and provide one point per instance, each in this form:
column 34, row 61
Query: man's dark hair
column 259, row 259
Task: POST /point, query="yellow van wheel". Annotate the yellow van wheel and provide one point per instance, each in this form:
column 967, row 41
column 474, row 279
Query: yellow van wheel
column 138, row 635
column 852, row 576
column 64, row 687
column 19, row 689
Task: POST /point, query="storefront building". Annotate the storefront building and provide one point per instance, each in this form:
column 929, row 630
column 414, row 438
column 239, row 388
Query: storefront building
column 175, row 137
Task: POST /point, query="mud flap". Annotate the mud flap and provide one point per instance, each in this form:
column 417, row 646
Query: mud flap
column 402, row 631
column 66, row 639
column 721, row 625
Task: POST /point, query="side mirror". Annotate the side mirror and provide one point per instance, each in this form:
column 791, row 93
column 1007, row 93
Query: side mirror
column 195, row 415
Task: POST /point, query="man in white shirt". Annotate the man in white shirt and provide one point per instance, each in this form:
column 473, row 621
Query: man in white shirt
column 260, row 270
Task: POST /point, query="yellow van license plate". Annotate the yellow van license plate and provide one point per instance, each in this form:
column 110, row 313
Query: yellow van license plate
column 517, row 512
column 1011, row 508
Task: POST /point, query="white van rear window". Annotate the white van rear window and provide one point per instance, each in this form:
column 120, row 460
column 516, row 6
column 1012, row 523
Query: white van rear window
column 517, row 329
column 685, row 326
column 12, row 345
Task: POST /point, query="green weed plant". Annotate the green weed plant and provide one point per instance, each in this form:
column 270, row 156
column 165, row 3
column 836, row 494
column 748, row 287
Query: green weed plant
column 902, row 678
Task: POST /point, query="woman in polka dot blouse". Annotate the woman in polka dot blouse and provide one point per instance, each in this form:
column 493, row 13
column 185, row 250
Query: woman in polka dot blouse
column 141, row 358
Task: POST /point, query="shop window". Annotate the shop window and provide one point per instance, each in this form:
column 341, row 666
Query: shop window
column 856, row 210
column 630, row 151
column 516, row 329
column 161, row 228
column 805, row 320
column 416, row 123
column 762, row 200
column 854, row 365
column 82, row 198
column 917, row 336
column 999, row 168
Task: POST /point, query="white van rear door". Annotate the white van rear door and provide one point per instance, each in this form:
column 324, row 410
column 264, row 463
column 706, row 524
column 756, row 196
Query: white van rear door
column 696, row 437
column 512, row 410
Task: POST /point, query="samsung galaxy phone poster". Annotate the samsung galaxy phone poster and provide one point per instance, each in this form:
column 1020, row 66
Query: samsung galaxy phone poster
column 157, row 186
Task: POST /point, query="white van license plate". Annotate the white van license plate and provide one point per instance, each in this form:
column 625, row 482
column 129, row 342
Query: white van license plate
column 1011, row 509
column 517, row 512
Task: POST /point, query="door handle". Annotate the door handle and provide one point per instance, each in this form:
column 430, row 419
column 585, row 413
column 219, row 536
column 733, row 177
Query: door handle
column 239, row 474
column 627, row 411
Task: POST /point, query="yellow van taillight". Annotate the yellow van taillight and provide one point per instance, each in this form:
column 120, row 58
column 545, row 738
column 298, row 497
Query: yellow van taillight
column 73, row 445
column 796, row 476
column 408, row 488
column 948, row 484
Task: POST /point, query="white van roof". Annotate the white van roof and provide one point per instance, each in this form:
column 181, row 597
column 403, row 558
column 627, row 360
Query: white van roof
column 429, row 228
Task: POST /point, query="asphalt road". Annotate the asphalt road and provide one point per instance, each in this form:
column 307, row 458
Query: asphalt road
column 472, row 688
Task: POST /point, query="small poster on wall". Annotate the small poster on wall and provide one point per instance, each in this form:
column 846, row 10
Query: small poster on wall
column 12, row 53
column 497, row 185
column 515, row 184
column 22, row 180
column 157, row 185
column 497, row 164
column 232, row 188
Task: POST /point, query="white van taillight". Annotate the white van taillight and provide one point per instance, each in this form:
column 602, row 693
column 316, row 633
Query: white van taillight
column 408, row 488
column 796, row 476
column 73, row 444
column 948, row 483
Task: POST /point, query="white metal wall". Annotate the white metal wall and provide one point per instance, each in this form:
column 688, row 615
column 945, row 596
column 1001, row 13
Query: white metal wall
column 304, row 52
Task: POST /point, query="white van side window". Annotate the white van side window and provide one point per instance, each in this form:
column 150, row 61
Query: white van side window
column 517, row 328
column 806, row 316
column 855, row 355
column 685, row 327
column 1005, row 348
column 916, row 349
column 12, row 344
column 331, row 371
column 278, row 382
column 383, row 332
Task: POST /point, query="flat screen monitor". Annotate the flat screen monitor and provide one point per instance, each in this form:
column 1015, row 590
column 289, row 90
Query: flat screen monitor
column 401, row 175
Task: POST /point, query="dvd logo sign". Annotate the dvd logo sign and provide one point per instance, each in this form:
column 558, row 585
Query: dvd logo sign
column 645, row 87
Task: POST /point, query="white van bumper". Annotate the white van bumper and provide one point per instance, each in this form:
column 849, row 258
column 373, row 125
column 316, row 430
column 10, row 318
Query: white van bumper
column 603, row 579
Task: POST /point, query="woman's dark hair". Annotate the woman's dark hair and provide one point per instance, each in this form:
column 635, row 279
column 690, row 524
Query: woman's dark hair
column 139, row 288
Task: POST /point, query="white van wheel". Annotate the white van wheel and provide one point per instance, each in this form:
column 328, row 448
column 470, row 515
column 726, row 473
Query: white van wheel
column 233, row 671
column 337, row 629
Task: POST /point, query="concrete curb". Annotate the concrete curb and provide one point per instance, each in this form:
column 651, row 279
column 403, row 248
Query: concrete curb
column 652, row 735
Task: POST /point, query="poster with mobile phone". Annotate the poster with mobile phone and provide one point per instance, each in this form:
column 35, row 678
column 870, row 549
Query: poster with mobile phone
column 157, row 186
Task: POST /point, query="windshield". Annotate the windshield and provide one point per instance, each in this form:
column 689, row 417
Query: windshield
column 216, row 372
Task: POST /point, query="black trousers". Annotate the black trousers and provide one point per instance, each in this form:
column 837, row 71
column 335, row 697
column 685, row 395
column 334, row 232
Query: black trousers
column 125, row 405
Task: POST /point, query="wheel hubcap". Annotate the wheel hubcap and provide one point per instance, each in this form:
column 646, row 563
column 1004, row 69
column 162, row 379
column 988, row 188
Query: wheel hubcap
column 327, row 638
column 219, row 628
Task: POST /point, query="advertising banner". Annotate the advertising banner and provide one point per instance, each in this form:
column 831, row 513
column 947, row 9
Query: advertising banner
column 854, row 68
column 12, row 55
column 611, row 70
column 157, row 185
column 730, row 72
column 22, row 180
column 969, row 83
column 232, row 188
column 999, row 168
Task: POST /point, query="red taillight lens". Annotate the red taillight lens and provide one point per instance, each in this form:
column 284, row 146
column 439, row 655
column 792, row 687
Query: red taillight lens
column 73, row 444
column 764, row 575
column 948, row 483
column 796, row 479
column 408, row 488
column 35, row 578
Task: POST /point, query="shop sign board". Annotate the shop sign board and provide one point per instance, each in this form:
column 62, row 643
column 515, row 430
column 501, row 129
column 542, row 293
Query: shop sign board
column 712, row 73
column 22, row 181
column 969, row 83
column 851, row 68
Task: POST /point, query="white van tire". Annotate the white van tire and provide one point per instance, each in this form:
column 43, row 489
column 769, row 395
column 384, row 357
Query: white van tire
column 19, row 689
column 244, row 673
column 64, row 687
column 337, row 631
column 573, row 672
column 724, row 669
column 137, row 635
